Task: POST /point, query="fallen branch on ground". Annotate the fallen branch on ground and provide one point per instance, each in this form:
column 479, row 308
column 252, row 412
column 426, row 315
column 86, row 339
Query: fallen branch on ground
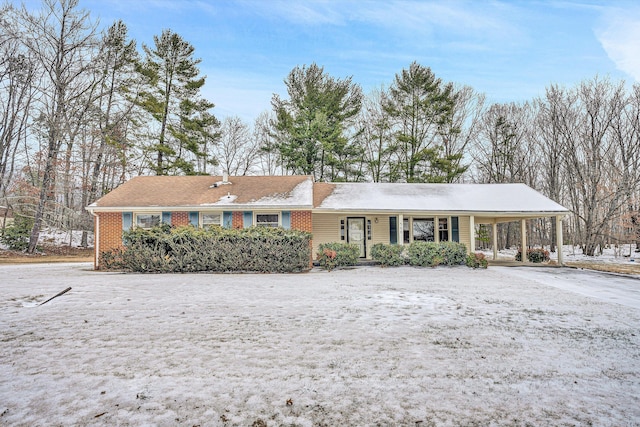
column 56, row 295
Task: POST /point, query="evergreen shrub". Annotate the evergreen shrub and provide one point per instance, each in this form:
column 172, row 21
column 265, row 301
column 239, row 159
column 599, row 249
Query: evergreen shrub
column 388, row 255
column 165, row 249
column 431, row 254
column 332, row 255
column 16, row 236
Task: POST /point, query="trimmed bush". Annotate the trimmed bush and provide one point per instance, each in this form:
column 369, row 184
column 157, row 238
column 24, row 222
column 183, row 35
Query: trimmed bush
column 388, row 255
column 431, row 254
column 164, row 249
column 332, row 255
column 477, row 260
column 536, row 255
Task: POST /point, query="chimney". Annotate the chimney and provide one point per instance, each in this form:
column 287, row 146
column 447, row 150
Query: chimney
column 225, row 177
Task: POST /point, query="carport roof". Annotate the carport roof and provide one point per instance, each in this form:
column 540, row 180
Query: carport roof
column 484, row 198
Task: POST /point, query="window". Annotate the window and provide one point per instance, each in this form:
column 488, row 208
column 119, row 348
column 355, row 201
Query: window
column 423, row 229
column 148, row 220
column 267, row 220
column 443, row 229
column 406, row 231
column 210, row 219
column 455, row 234
column 393, row 230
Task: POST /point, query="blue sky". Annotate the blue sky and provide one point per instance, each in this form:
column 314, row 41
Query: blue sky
column 509, row 50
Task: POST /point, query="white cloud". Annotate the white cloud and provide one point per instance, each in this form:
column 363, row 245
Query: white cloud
column 619, row 36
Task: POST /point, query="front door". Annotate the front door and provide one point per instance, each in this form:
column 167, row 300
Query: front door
column 356, row 234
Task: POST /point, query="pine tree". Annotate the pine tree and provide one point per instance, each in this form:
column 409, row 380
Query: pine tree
column 172, row 99
column 314, row 121
column 422, row 108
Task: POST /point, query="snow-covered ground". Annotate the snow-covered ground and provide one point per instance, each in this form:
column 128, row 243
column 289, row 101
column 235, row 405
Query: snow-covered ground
column 59, row 237
column 365, row 346
column 622, row 254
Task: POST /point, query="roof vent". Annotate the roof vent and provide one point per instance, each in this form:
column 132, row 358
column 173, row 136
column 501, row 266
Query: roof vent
column 225, row 181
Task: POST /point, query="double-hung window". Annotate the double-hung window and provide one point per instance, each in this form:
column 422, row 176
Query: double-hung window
column 148, row 220
column 443, row 229
column 268, row 220
column 208, row 219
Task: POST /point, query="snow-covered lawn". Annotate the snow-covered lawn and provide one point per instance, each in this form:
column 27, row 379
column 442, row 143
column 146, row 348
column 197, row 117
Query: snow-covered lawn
column 366, row 346
column 622, row 254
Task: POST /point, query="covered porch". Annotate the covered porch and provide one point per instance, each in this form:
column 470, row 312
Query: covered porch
column 493, row 221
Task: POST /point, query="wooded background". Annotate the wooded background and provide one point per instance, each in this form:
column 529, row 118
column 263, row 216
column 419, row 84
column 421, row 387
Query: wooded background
column 83, row 109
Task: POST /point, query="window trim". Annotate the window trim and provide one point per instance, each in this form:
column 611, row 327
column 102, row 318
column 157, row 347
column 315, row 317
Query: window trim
column 433, row 220
column 201, row 223
column 436, row 228
column 257, row 214
column 138, row 214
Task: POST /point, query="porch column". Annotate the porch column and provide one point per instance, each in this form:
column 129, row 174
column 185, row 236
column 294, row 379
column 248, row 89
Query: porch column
column 472, row 234
column 523, row 237
column 559, row 240
column 400, row 230
column 495, row 240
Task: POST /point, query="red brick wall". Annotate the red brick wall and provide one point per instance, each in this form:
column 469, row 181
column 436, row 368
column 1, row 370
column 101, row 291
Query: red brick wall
column 110, row 230
column 110, row 233
column 180, row 218
column 301, row 220
column 237, row 219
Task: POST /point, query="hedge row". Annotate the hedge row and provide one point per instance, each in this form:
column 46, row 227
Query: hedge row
column 165, row 249
column 422, row 254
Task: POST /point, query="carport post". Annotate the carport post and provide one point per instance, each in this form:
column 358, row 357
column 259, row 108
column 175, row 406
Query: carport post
column 495, row 240
column 472, row 234
column 559, row 239
column 523, row 237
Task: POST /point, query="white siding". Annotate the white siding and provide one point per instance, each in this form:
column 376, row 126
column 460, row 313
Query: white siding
column 464, row 232
column 326, row 229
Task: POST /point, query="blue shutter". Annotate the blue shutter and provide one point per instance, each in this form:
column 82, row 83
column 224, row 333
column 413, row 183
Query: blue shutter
column 166, row 217
column 286, row 220
column 393, row 230
column 247, row 219
column 127, row 221
column 227, row 219
column 455, row 235
column 194, row 218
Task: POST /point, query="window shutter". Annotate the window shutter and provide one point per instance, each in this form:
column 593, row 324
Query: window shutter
column 127, row 220
column 166, row 218
column 247, row 219
column 393, row 230
column 286, row 220
column 193, row 218
column 227, row 219
column 455, row 235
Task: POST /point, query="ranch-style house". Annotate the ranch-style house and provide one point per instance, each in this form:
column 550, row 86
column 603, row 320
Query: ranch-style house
column 359, row 213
